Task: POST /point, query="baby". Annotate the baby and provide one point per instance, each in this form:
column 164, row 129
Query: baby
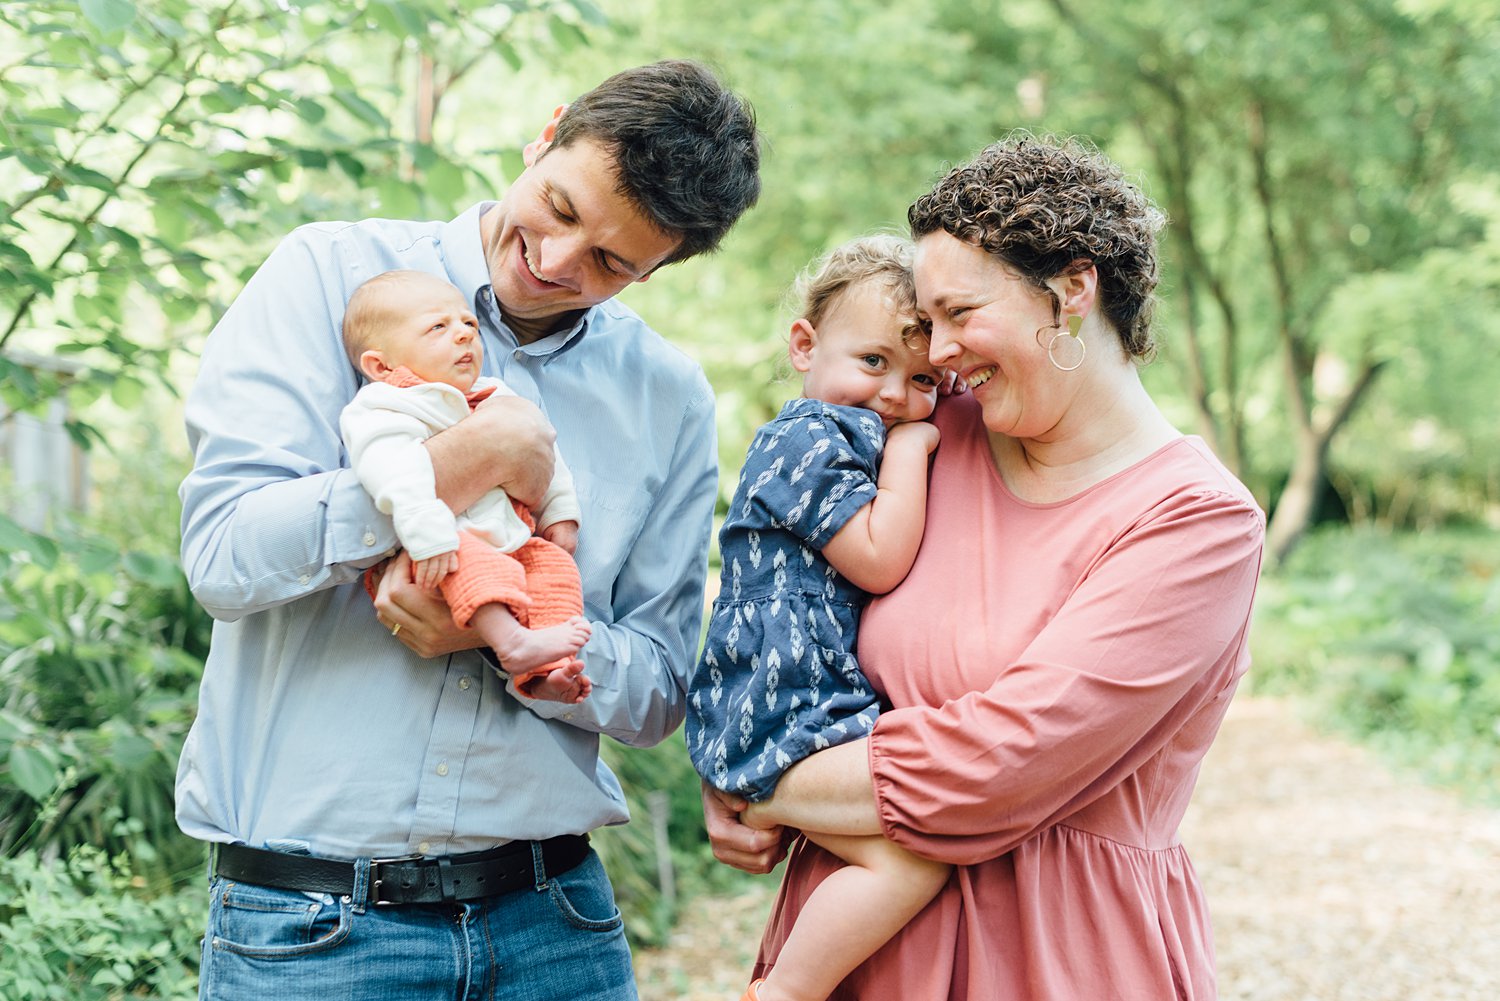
column 416, row 340
column 829, row 509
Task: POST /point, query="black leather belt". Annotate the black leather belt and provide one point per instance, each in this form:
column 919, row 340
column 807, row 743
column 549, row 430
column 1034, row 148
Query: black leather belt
column 411, row 879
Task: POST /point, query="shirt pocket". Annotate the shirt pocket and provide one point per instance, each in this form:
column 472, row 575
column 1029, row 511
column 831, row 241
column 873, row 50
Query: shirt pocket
column 613, row 516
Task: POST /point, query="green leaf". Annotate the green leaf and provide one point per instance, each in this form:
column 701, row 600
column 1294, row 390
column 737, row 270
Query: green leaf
column 567, row 34
column 148, row 568
column 360, row 108
column 108, row 15
column 445, row 181
column 171, row 222
column 13, row 536
column 508, row 53
column 32, row 770
column 310, row 111
column 75, row 174
column 127, row 392
column 590, row 13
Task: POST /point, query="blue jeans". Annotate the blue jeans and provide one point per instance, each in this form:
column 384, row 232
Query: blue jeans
column 562, row 938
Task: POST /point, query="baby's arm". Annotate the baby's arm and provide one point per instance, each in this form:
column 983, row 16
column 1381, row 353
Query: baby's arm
column 385, row 447
column 877, row 546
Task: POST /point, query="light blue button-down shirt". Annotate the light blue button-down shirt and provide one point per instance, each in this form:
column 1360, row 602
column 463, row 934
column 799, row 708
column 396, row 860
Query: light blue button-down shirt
column 315, row 726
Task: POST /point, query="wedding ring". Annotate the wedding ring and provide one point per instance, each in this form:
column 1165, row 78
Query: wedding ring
column 395, row 629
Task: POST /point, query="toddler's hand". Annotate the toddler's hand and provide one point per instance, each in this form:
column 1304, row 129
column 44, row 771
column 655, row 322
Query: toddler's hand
column 920, row 432
column 430, row 572
column 563, row 534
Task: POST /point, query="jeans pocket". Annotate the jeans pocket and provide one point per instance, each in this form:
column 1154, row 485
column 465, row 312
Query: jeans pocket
column 584, row 898
column 266, row 923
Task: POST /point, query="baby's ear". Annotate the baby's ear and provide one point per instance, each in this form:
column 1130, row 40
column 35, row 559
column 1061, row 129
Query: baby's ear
column 800, row 344
column 372, row 364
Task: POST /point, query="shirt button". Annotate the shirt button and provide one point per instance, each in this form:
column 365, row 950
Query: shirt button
column 567, row 715
column 442, row 768
column 304, row 579
column 369, row 539
column 424, row 848
column 464, row 683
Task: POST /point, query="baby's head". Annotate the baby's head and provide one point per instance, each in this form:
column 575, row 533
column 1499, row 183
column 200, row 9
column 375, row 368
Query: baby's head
column 416, row 320
column 858, row 342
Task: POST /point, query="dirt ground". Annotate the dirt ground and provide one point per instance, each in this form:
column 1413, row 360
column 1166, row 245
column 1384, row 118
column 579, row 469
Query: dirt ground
column 1329, row 877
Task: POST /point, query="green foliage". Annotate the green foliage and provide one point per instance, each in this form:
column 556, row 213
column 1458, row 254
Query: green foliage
column 661, row 787
column 1393, row 636
column 100, row 654
column 82, row 929
column 151, row 153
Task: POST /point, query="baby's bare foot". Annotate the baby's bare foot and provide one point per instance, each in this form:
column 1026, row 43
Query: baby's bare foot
column 564, row 684
column 525, row 650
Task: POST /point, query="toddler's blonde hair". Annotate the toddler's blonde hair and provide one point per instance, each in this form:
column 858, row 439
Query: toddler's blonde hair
column 883, row 258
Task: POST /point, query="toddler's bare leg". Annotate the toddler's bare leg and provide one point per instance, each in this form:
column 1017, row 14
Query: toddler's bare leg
column 852, row 913
column 521, row 649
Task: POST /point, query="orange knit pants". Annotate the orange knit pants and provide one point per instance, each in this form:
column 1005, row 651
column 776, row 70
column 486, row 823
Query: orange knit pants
column 539, row 583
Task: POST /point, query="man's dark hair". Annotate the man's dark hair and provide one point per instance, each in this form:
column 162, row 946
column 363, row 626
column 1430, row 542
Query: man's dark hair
column 685, row 148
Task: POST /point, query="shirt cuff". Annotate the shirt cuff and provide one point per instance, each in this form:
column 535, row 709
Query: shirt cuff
column 356, row 530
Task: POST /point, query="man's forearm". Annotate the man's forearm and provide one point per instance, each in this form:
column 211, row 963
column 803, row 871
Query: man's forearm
column 506, row 443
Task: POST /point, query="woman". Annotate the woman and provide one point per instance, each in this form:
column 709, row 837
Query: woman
column 1064, row 649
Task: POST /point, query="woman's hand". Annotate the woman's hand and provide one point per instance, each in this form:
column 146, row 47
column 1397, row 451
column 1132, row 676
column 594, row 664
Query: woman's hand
column 735, row 844
column 418, row 617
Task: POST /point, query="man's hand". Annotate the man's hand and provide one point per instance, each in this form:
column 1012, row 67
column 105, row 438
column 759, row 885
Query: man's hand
column 429, row 573
column 563, row 534
column 505, row 442
column 754, row 851
column 420, row 618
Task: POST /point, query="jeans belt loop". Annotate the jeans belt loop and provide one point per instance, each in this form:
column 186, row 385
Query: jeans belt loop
column 361, row 894
column 538, row 866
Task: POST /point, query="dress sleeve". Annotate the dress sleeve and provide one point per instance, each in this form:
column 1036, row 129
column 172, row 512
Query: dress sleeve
column 1153, row 631
column 810, row 477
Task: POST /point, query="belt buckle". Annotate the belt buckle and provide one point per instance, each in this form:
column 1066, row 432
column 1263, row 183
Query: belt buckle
column 376, row 881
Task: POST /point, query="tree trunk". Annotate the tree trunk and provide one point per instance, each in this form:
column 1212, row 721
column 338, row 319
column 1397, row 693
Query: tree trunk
column 1294, row 509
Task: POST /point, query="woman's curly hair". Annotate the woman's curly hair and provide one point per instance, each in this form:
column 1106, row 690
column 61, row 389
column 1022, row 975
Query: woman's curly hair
column 1049, row 207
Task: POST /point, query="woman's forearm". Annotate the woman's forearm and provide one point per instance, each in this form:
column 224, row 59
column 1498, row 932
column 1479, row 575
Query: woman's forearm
column 831, row 792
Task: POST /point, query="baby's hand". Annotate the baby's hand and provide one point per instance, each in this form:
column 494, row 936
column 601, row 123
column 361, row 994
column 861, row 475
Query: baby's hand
column 429, row 573
column 921, row 432
column 563, row 534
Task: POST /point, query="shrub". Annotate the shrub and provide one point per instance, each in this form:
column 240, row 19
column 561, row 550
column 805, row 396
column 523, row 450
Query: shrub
column 1393, row 636
column 82, row 929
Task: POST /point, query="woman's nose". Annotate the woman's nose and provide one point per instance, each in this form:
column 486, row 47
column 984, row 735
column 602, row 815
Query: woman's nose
column 942, row 346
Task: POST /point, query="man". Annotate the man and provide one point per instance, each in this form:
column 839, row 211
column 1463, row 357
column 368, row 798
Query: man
column 391, row 821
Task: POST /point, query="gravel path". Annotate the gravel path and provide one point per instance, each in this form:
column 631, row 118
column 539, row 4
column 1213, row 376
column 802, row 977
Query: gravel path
column 1329, row 877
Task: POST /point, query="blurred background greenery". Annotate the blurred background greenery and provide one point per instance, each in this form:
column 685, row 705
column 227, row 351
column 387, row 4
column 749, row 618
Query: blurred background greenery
column 1332, row 176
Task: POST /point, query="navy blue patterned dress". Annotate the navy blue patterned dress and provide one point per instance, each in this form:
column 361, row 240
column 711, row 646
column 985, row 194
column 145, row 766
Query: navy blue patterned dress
column 777, row 679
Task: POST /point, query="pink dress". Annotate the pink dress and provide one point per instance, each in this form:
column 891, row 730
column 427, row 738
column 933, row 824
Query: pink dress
column 1057, row 672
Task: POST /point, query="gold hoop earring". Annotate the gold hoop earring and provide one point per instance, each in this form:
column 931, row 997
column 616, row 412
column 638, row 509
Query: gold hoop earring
column 1074, row 349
